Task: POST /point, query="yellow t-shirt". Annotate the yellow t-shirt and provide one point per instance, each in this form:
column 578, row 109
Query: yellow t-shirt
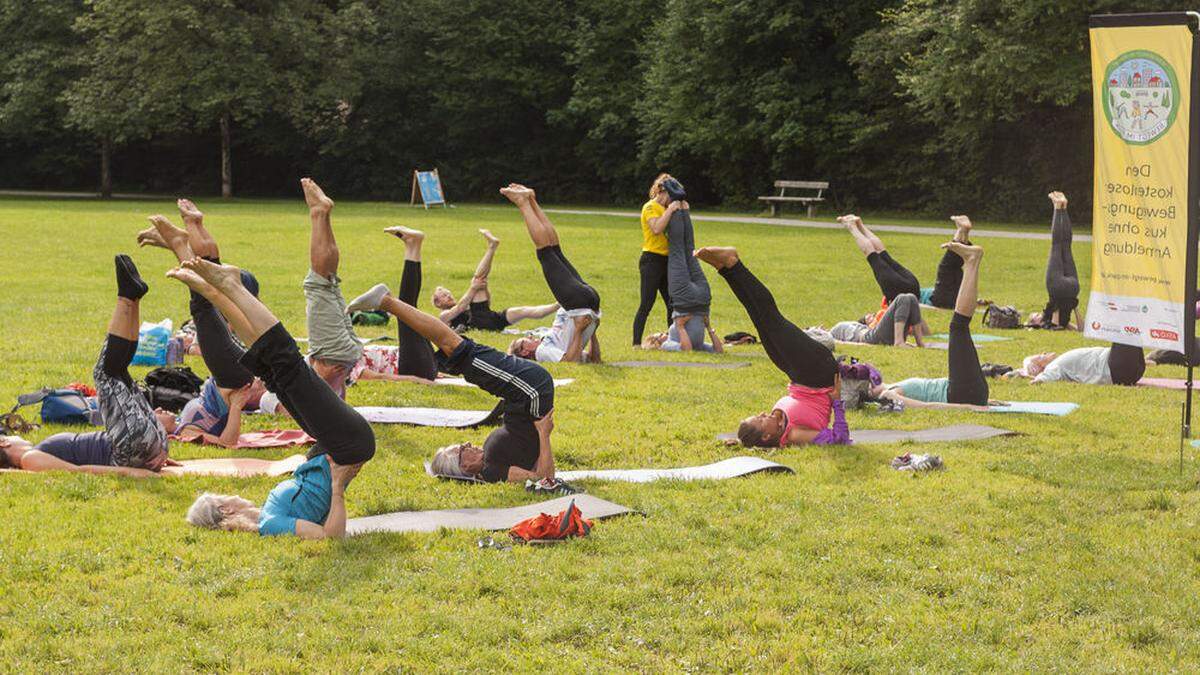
column 654, row 243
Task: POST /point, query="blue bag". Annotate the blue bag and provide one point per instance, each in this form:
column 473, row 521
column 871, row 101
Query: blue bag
column 152, row 344
column 62, row 406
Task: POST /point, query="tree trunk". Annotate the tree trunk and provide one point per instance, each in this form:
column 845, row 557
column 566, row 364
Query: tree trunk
column 226, row 159
column 106, row 168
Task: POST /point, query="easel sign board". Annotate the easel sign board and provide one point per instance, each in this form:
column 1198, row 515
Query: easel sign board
column 430, row 186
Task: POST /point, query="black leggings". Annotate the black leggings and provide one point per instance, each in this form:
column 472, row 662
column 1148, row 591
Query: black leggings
column 340, row 431
column 949, row 278
column 415, row 355
column 967, row 383
column 800, row 357
column 1127, row 364
column 1062, row 280
column 117, row 357
column 567, row 287
column 892, row 277
column 221, row 353
column 653, row 269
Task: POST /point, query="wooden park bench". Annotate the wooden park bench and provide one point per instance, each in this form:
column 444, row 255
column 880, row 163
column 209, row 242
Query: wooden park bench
column 810, row 200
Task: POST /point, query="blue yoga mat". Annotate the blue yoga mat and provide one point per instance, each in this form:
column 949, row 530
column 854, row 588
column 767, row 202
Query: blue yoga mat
column 1035, row 408
column 975, row 337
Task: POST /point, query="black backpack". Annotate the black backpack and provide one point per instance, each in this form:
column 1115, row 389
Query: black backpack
column 1001, row 316
column 171, row 387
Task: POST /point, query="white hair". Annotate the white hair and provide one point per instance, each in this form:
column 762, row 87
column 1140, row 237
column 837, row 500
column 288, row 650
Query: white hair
column 447, row 461
column 206, row 512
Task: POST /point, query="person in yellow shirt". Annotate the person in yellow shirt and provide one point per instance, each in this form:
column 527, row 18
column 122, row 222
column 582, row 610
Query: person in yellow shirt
column 653, row 263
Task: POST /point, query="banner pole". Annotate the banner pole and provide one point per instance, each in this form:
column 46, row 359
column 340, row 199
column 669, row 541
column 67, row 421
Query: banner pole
column 1187, row 417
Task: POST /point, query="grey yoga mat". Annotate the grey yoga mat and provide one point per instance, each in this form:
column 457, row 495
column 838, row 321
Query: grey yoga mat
column 680, row 364
column 733, row 467
column 460, row 382
column 957, row 432
column 428, row 417
column 591, row 507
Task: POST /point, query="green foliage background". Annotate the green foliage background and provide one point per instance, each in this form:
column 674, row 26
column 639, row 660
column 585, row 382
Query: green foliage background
column 917, row 105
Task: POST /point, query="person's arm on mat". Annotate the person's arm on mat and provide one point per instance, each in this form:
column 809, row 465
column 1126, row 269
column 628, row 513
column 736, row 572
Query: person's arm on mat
column 685, row 340
column 575, row 348
column 335, row 522
column 233, row 424
column 392, row 377
column 718, row 346
column 659, row 225
column 592, row 353
column 544, row 466
column 930, row 405
column 465, row 301
column 36, row 460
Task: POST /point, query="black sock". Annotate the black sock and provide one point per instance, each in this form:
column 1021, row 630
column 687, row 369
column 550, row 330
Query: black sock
column 118, row 354
column 129, row 283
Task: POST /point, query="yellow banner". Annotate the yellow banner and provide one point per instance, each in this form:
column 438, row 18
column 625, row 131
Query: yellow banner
column 1141, row 84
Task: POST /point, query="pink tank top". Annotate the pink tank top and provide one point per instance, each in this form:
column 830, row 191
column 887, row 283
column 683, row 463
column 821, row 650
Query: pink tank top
column 805, row 407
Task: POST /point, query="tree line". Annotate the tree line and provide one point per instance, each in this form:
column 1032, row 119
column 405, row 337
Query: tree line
column 931, row 106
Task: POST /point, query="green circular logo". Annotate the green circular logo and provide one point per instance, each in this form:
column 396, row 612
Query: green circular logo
column 1140, row 96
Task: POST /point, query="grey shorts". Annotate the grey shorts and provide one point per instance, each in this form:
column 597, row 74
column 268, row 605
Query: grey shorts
column 129, row 422
column 330, row 334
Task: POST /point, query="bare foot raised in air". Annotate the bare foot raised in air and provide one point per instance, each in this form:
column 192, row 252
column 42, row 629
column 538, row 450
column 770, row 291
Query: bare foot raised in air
column 849, row 221
column 1058, row 199
column 192, row 217
column 315, row 197
column 150, row 237
column 190, row 279
column 409, row 235
column 964, row 251
column 720, row 257
column 492, row 241
column 225, row 278
column 517, row 193
column 175, row 238
column 962, row 223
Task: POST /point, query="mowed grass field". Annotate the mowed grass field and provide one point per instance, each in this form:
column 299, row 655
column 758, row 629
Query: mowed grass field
column 1071, row 547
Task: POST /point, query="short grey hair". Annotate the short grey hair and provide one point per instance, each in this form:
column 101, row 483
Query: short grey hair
column 447, row 461
column 206, row 512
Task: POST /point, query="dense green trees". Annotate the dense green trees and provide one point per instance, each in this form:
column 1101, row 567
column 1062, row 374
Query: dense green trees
column 932, row 105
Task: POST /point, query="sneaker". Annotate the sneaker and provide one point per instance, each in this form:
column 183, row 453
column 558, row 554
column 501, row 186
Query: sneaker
column 551, row 486
column 911, row 462
column 370, row 300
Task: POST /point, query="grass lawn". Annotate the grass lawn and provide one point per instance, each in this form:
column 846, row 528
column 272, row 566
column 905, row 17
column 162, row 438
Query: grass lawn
column 1073, row 546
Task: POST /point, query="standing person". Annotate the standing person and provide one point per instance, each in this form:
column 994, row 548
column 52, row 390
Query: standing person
column 966, row 387
column 814, row 389
column 312, row 503
column 473, row 310
column 333, row 348
column 652, row 266
column 578, row 316
column 1062, row 279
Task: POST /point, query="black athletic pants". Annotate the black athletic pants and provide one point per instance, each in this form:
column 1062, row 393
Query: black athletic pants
column 567, row 287
column 949, row 278
column 1126, row 363
column 653, row 269
column 1062, row 280
column 800, row 357
column 967, row 383
column 416, row 353
column 221, row 353
column 339, row 429
column 892, row 277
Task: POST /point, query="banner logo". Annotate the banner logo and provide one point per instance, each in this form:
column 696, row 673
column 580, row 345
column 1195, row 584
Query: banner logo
column 1140, row 96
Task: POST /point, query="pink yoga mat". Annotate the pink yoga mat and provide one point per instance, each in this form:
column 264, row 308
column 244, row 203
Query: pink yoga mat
column 1167, row 383
column 277, row 438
